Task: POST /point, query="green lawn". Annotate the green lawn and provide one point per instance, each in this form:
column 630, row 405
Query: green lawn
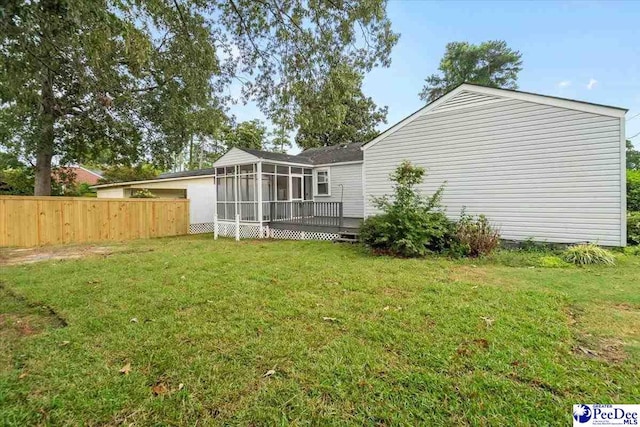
column 352, row 338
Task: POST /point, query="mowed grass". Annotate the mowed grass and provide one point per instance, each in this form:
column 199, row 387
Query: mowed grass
column 351, row 338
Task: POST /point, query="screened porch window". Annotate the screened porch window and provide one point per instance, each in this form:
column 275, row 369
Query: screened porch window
column 236, row 192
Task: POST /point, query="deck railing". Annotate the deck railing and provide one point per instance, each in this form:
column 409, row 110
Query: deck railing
column 304, row 212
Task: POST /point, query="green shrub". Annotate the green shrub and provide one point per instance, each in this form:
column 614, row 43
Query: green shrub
column 551, row 261
column 632, row 250
column 588, row 253
column 411, row 225
column 633, row 228
column 476, row 235
column 633, row 190
column 143, row 194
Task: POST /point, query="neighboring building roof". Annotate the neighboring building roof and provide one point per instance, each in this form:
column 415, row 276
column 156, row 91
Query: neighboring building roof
column 145, row 181
column 183, row 174
column 502, row 93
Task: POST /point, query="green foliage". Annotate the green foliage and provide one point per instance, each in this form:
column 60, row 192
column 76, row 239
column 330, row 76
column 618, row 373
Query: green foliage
column 490, row 63
column 143, row 194
column 551, row 261
column 633, row 157
column 632, row 250
column 476, row 235
column 140, row 172
column 16, row 181
column 633, row 228
column 633, row 190
column 248, row 134
column 587, row 254
column 128, row 80
column 411, row 225
column 335, row 111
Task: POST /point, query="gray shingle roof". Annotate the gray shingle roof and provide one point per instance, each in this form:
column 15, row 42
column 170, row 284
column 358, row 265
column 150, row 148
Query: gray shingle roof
column 315, row 156
column 312, row 156
column 333, row 154
column 268, row 155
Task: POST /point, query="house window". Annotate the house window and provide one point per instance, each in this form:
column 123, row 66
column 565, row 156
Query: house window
column 322, row 183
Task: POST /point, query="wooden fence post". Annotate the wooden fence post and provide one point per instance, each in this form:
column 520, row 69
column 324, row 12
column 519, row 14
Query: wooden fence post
column 237, row 227
column 215, row 227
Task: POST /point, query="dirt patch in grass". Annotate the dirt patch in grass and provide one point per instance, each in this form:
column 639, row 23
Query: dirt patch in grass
column 603, row 331
column 15, row 256
column 20, row 320
column 610, row 350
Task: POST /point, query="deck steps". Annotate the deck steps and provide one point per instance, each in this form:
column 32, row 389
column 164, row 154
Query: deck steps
column 348, row 237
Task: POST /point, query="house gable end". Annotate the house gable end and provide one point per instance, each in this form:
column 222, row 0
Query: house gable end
column 469, row 95
column 235, row 156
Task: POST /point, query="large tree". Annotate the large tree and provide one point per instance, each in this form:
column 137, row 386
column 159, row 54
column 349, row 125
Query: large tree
column 248, row 134
column 335, row 111
column 633, row 156
column 491, row 63
column 83, row 78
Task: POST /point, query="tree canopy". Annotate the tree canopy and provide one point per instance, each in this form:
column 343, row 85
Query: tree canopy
column 336, row 111
column 633, row 157
column 491, row 63
column 248, row 134
column 134, row 80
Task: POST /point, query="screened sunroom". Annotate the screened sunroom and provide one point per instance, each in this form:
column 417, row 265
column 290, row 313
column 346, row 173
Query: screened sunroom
column 260, row 194
column 262, row 191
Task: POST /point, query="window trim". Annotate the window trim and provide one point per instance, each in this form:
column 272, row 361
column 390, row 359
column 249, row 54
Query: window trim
column 315, row 182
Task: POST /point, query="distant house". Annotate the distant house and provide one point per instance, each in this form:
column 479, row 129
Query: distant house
column 82, row 175
column 540, row 167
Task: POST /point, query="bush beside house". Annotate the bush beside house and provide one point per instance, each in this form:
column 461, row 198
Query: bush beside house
column 413, row 225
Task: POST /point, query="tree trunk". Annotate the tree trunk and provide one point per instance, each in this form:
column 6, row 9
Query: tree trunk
column 44, row 152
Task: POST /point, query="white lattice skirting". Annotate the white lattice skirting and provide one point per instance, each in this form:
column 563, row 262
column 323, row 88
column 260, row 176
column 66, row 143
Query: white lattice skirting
column 276, row 233
column 204, row 227
column 252, row 231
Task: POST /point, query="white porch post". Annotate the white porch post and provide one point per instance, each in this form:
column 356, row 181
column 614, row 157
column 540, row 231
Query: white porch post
column 237, row 226
column 259, row 192
column 215, row 206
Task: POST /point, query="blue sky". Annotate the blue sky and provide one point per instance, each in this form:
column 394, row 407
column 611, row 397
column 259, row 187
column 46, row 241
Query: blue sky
column 565, row 46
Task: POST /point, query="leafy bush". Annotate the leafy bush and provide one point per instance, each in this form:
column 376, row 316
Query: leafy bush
column 411, row 225
column 143, row 194
column 476, row 235
column 633, row 190
column 551, row 261
column 632, row 250
column 588, row 253
column 633, row 228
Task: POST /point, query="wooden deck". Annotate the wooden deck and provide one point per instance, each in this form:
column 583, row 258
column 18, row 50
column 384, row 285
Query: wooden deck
column 318, row 223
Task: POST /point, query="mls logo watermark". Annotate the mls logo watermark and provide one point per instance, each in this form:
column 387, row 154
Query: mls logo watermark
column 606, row 415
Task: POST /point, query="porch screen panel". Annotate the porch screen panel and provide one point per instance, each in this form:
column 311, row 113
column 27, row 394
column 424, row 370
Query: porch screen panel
column 248, row 197
column 268, row 193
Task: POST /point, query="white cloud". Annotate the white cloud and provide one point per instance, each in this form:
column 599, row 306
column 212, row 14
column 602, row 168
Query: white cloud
column 592, row 83
column 564, row 83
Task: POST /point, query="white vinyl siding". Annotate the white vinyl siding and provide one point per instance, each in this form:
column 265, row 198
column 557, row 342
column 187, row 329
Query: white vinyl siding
column 235, row 156
column 537, row 171
column 346, row 186
column 464, row 99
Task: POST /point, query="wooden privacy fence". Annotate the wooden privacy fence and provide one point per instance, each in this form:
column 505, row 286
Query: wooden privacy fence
column 33, row 221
